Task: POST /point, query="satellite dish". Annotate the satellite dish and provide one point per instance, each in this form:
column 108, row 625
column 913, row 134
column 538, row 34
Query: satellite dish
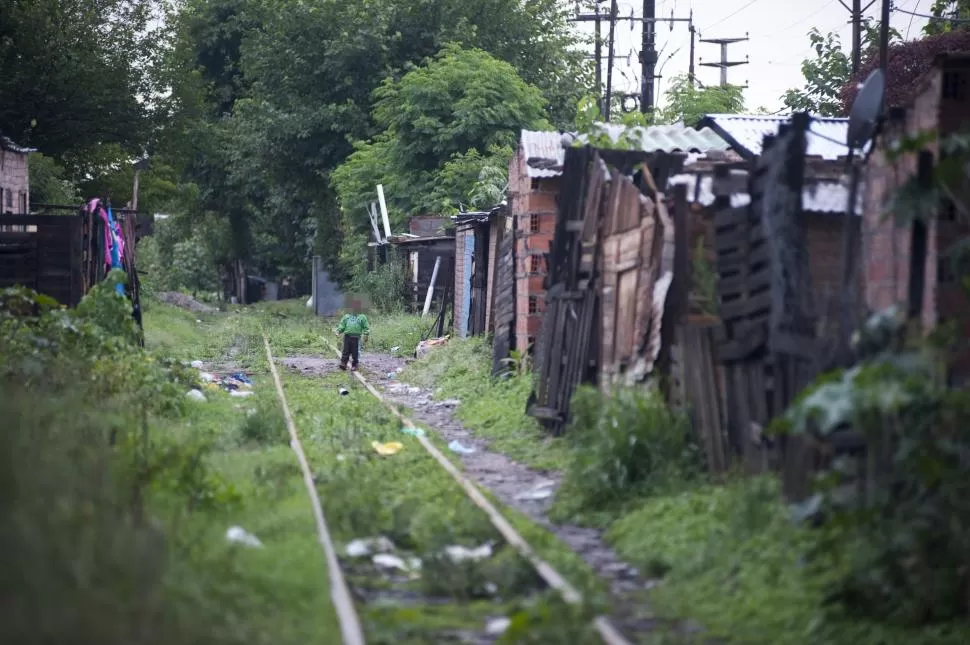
column 865, row 110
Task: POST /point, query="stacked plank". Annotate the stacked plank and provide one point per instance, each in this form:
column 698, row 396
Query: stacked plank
column 611, row 266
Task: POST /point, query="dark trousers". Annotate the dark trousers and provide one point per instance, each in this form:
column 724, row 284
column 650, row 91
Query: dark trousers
column 351, row 350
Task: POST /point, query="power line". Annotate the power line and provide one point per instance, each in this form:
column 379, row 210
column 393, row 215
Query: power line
column 957, row 21
column 910, row 25
column 731, row 15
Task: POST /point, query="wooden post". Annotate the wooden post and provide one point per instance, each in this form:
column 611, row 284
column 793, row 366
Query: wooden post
column 434, row 276
column 380, row 199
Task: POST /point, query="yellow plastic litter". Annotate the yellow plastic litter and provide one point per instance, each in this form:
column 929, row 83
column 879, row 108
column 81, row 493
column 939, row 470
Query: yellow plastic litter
column 389, row 448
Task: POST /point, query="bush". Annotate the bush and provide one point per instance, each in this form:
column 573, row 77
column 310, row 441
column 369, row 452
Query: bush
column 625, row 445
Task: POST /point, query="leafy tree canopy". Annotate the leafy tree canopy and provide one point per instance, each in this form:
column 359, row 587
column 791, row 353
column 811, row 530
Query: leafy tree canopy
column 448, row 128
column 830, row 70
column 908, row 64
column 688, row 102
column 949, row 15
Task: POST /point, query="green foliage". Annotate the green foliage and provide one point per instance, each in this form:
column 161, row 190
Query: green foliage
column 72, row 75
column 951, row 15
column 625, row 444
column 435, row 122
column 688, row 102
column 387, row 287
column 49, row 183
column 830, row 71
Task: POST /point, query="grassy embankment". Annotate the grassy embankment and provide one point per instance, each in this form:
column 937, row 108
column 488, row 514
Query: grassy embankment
column 729, row 555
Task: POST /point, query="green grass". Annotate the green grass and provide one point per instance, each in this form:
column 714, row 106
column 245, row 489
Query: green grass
column 732, row 562
column 406, row 497
column 493, row 408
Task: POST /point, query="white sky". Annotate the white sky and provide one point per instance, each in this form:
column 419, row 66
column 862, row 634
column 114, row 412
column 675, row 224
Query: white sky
column 778, row 41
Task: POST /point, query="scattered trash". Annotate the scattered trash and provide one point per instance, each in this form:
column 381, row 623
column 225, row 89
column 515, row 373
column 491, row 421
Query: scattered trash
column 196, row 364
column 426, row 346
column 366, row 546
column 458, row 554
column 392, row 375
column 198, row 321
column 497, row 626
column 343, row 391
column 414, row 432
column 542, row 490
column 341, row 458
column 242, row 378
column 238, row 535
column 387, row 449
column 389, row 561
column 395, row 350
column 309, row 303
column 460, row 448
column 450, row 403
column 241, row 393
column 196, row 395
column 208, row 378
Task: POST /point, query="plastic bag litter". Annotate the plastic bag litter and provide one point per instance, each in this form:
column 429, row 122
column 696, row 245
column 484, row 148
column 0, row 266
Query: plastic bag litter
column 542, row 490
column 366, row 546
column 425, row 346
column 241, row 393
column 196, row 364
column 396, row 349
column 459, row 554
column 239, row 535
column 388, row 561
column 387, row 449
column 343, row 391
column 414, row 432
column 495, row 626
column 196, row 395
column 460, row 448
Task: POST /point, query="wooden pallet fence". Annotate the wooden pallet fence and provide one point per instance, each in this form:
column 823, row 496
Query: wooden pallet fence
column 43, row 253
column 696, row 389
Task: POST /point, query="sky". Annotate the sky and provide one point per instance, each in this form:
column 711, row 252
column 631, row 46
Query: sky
column 778, row 40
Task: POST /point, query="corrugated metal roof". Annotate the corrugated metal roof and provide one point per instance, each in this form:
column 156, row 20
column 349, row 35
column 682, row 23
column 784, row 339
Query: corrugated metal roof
column 818, row 196
column 7, row 144
column 826, row 135
column 544, row 152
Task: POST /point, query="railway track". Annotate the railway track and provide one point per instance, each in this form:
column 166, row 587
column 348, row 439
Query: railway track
column 352, row 632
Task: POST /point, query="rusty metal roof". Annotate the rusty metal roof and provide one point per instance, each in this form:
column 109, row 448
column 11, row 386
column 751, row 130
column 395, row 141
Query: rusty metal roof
column 746, row 132
column 544, row 152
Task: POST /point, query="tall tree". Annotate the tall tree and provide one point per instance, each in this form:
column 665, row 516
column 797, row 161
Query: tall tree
column 76, row 75
column 442, row 125
column 948, row 15
column 688, row 102
column 828, row 72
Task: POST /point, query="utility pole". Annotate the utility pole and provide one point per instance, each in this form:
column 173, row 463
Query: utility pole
column 597, row 19
column 856, row 13
column 724, row 63
column 693, row 32
column 648, row 56
column 608, row 100
column 884, row 36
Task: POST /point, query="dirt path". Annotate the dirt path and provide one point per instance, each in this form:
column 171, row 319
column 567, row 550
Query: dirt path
column 529, row 491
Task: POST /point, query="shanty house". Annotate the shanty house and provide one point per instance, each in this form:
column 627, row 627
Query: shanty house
column 14, row 179
column 941, row 104
column 476, row 239
column 825, row 195
column 534, row 185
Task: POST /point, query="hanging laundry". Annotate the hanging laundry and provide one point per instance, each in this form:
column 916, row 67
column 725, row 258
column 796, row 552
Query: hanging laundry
column 114, row 232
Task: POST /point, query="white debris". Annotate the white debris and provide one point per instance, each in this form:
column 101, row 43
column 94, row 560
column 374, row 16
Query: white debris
column 460, row 448
column 196, row 364
column 196, row 395
column 309, row 303
column 542, row 490
column 344, row 391
column 207, row 377
column 239, row 535
column 366, row 546
column 395, row 349
column 241, row 393
column 459, row 554
column 497, row 626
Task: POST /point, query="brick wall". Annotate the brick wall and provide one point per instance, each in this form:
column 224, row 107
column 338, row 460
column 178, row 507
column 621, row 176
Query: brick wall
column 14, row 183
column 885, row 246
column 824, row 233
column 534, row 206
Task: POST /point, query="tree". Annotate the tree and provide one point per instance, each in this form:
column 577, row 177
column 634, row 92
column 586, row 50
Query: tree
column 827, row 74
column 75, row 75
column 949, row 15
column 688, row 102
column 908, row 64
column 446, row 126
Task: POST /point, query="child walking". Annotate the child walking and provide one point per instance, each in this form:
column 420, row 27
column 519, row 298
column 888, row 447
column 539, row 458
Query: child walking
column 353, row 326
